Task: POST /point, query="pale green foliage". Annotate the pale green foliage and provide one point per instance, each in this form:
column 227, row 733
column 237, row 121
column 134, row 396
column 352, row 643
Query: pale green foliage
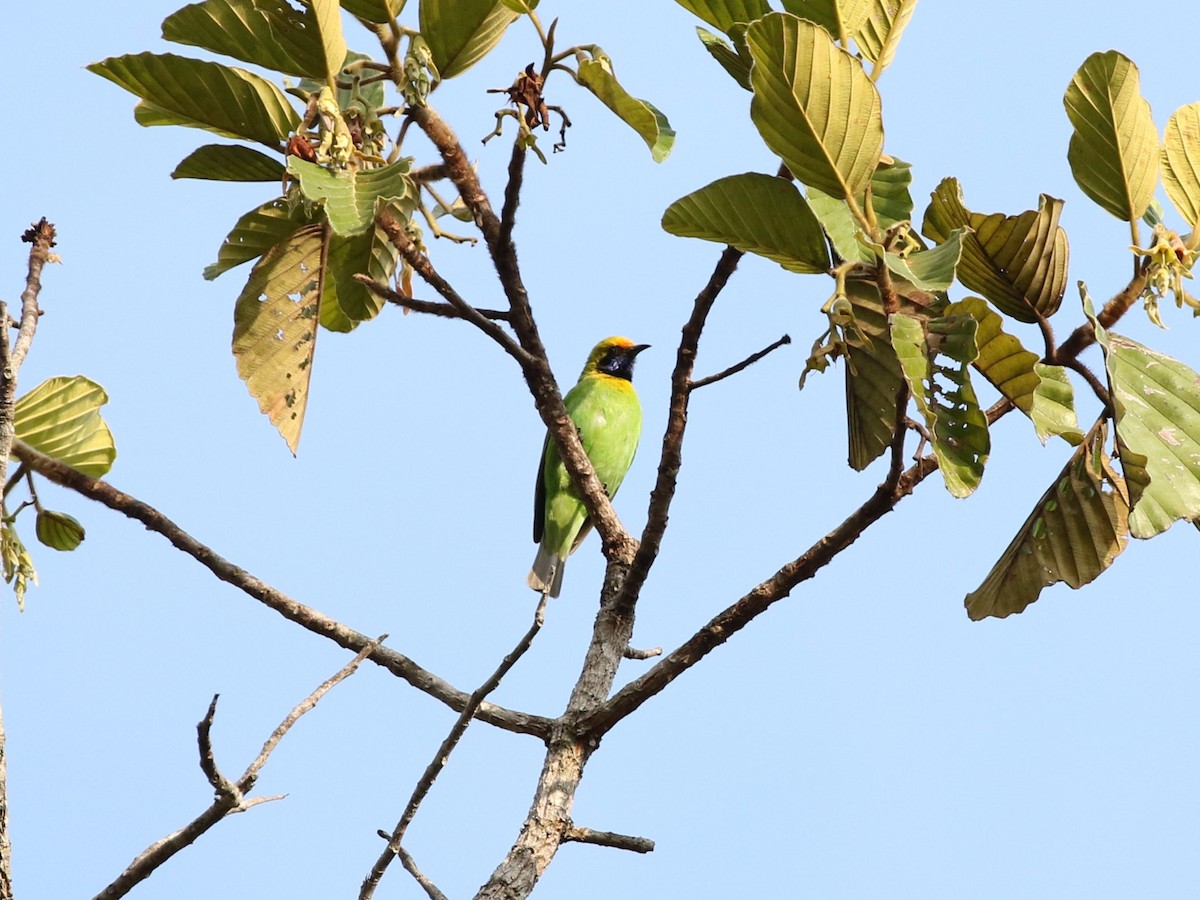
column 1181, row 162
column 61, row 418
column 597, row 76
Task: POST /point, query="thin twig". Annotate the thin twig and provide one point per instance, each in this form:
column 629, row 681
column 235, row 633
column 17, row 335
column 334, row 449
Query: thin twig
column 411, row 867
column 440, row 758
column 638, row 655
column 316, row 622
column 230, row 796
column 429, row 307
column 41, row 234
column 609, row 839
column 748, row 361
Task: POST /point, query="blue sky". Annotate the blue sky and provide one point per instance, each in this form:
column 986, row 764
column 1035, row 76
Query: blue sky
column 862, row 739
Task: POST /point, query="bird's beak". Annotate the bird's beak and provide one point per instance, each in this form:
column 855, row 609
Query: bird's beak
column 638, row 348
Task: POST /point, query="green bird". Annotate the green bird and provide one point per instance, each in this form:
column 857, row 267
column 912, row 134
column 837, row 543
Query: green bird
column 605, row 409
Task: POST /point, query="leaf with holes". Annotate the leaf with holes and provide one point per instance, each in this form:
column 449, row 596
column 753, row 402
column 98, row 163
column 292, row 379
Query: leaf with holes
column 1114, row 147
column 1076, row 530
column 944, row 395
column 257, row 232
column 267, row 33
column 176, row 90
column 61, row 418
column 814, row 105
column 1019, row 263
column 761, row 214
column 275, row 327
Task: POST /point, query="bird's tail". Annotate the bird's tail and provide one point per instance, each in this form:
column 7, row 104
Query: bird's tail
column 547, row 573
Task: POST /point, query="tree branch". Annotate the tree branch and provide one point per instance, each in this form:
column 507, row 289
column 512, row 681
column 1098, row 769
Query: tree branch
column 608, row 839
column 1084, row 336
column 745, row 363
column 444, row 310
column 316, row 622
column 442, row 756
column 230, row 796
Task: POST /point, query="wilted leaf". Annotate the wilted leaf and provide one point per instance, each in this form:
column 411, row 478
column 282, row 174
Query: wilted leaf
column 1114, row 147
column 257, row 232
column 268, row 33
column 58, row 530
column 176, row 90
column 1181, row 162
column 229, row 162
column 1019, row 263
column 275, row 327
column 461, row 32
column 351, row 196
column 814, row 105
column 880, row 31
column 596, row 75
column 723, row 14
column 944, row 395
column 61, row 418
column 1077, row 529
column 757, row 213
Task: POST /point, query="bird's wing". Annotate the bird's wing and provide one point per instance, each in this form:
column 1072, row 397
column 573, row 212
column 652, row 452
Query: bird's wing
column 539, row 495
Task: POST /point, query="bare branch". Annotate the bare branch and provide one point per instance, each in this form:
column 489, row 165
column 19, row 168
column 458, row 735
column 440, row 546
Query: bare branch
column 1084, row 336
column 608, row 839
column 745, row 363
column 41, row 234
column 445, row 310
column 230, row 797
column 631, row 653
column 443, row 753
column 428, row 886
column 316, row 622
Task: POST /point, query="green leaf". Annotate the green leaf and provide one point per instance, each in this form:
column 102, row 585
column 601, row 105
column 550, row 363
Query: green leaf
column 1076, row 530
column 889, row 197
column 229, row 162
column 58, row 530
column 596, row 75
column 176, row 90
column 267, row 33
column 328, row 17
column 346, row 302
column 944, row 395
column 377, row 11
column 814, row 105
column 723, row 14
column 761, row 214
column 1181, row 162
column 521, row 7
column 61, row 418
column 18, row 564
column 1042, row 392
column 929, row 270
column 880, row 32
column 1156, row 402
column 1114, row 148
column 257, row 232
column 841, row 18
column 1019, row 263
column 461, row 32
column 351, row 196
column 275, row 327
column 732, row 61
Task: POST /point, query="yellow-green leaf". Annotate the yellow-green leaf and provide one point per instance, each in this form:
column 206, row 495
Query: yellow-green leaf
column 267, row 33
column 1181, row 162
column 61, row 418
column 275, row 327
column 1076, row 530
column 352, row 196
column 18, row 564
column 328, row 17
column 730, row 57
column 59, row 531
column 841, row 18
column 1114, row 148
column 890, row 199
column 724, row 14
column 346, row 302
column 229, row 162
column 257, row 232
column 814, row 105
column 651, row 125
column 461, row 32
column 879, row 33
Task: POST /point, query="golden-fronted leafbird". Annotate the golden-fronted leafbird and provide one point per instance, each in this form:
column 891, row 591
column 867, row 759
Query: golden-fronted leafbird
column 605, row 410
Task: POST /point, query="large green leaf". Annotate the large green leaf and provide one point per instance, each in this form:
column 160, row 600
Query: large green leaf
column 61, row 418
column 879, row 33
column 814, row 105
column 461, row 32
column 328, row 17
column 378, row 11
column 1076, row 530
column 275, row 327
column 1114, row 147
column 268, row 33
column 346, row 302
column 1181, row 162
column 890, row 199
column 841, row 18
column 944, row 395
column 1156, row 403
column 723, row 14
column 176, row 90
column 1042, row 392
column 1019, row 263
column 731, row 58
column 229, row 162
column 257, row 232
column 929, row 270
column 597, row 76
column 352, row 196
column 761, row 214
